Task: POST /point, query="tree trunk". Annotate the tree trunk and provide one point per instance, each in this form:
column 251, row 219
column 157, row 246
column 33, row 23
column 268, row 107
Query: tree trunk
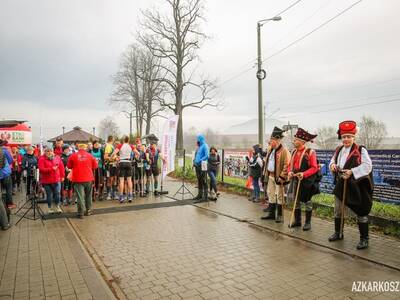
column 179, row 110
column 179, row 134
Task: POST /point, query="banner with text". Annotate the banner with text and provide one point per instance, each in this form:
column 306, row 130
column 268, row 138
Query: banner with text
column 168, row 144
column 386, row 173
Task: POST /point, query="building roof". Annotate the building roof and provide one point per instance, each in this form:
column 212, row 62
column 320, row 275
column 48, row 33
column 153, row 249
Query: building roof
column 10, row 123
column 75, row 135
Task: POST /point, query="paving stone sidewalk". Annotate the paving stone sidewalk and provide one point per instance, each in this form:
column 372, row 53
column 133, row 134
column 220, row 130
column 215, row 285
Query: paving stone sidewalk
column 47, row 261
column 383, row 250
column 184, row 252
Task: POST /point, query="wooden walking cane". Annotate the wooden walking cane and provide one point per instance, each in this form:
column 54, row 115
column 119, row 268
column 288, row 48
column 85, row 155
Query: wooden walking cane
column 343, row 207
column 283, row 201
column 295, row 202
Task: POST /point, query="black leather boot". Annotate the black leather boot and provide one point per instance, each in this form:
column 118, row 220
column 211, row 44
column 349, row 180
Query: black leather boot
column 307, row 224
column 363, row 244
column 337, row 235
column 271, row 213
column 199, row 195
column 297, row 218
column 279, row 214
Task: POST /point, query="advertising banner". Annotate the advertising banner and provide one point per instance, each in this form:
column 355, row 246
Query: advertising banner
column 386, row 173
column 168, row 144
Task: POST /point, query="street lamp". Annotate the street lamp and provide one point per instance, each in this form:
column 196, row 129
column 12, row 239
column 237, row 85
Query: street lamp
column 261, row 74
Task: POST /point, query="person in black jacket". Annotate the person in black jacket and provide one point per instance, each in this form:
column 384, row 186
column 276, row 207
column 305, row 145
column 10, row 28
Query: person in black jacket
column 352, row 167
column 255, row 168
column 213, row 165
column 66, row 185
column 29, row 166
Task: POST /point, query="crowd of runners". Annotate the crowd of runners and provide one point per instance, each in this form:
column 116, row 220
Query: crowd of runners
column 123, row 171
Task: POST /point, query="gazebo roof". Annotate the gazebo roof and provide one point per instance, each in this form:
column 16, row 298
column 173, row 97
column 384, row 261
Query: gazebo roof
column 75, row 135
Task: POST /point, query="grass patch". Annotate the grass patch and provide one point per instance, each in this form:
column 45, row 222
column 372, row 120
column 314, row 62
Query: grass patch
column 379, row 209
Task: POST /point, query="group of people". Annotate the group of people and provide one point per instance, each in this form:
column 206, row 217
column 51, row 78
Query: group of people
column 82, row 172
column 297, row 174
column 206, row 164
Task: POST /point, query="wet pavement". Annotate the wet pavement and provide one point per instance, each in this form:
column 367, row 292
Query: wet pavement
column 47, row 262
column 156, row 248
column 186, row 252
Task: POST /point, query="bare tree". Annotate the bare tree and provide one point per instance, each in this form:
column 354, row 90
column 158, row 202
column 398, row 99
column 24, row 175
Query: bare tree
column 136, row 93
column 153, row 89
column 107, row 126
column 175, row 39
column 371, row 132
column 327, row 138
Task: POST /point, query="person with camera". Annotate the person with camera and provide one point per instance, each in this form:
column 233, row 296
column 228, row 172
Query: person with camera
column 255, row 163
column 352, row 167
column 52, row 173
column 29, row 166
column 303, row 169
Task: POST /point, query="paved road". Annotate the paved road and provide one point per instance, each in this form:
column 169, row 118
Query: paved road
column 187, row 252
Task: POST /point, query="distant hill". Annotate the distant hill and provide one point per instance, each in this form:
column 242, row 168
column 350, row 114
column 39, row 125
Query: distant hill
column 251, row 127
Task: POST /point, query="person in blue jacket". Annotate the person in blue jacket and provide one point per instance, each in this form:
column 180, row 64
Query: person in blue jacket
column 5, row 174
column 201, row 157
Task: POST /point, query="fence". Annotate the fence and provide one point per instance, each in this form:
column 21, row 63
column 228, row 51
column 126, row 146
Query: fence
column 386, row 171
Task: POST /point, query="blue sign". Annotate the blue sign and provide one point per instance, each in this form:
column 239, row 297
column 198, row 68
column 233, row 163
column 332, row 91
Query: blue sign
column 386, row 173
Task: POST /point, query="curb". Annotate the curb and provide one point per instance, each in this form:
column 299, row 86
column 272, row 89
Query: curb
column 108, row 278
column 397, row 268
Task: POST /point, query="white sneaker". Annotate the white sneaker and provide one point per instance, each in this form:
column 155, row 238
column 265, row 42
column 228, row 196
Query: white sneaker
column 50, row 211
column 58, row 209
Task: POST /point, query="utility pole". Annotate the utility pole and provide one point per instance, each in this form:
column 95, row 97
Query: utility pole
column 260, row 77
column 94, row 130
column 261, row 74
column 63, row 128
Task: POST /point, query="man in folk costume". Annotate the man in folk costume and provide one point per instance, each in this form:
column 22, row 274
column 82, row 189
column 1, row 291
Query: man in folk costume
column 303, row 169
column 352, row 163
column 276, row 174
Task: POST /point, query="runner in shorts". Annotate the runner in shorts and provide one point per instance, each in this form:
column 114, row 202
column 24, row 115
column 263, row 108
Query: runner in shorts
column 125, row 169
column 152, row 169
column 110, row 161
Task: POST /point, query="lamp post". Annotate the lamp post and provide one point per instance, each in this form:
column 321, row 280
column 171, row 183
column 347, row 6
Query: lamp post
column 261, row 74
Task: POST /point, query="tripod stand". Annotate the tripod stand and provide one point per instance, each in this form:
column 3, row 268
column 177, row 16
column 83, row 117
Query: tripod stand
column 31, row 202
column 183, row 189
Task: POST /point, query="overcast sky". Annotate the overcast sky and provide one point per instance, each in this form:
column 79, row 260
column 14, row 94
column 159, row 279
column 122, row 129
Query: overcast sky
column 57, row 58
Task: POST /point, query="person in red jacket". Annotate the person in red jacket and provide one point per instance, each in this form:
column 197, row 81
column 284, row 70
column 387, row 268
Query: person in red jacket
column 52, row 173
column 82, row 165
column 302, row 170
column 58, row 147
